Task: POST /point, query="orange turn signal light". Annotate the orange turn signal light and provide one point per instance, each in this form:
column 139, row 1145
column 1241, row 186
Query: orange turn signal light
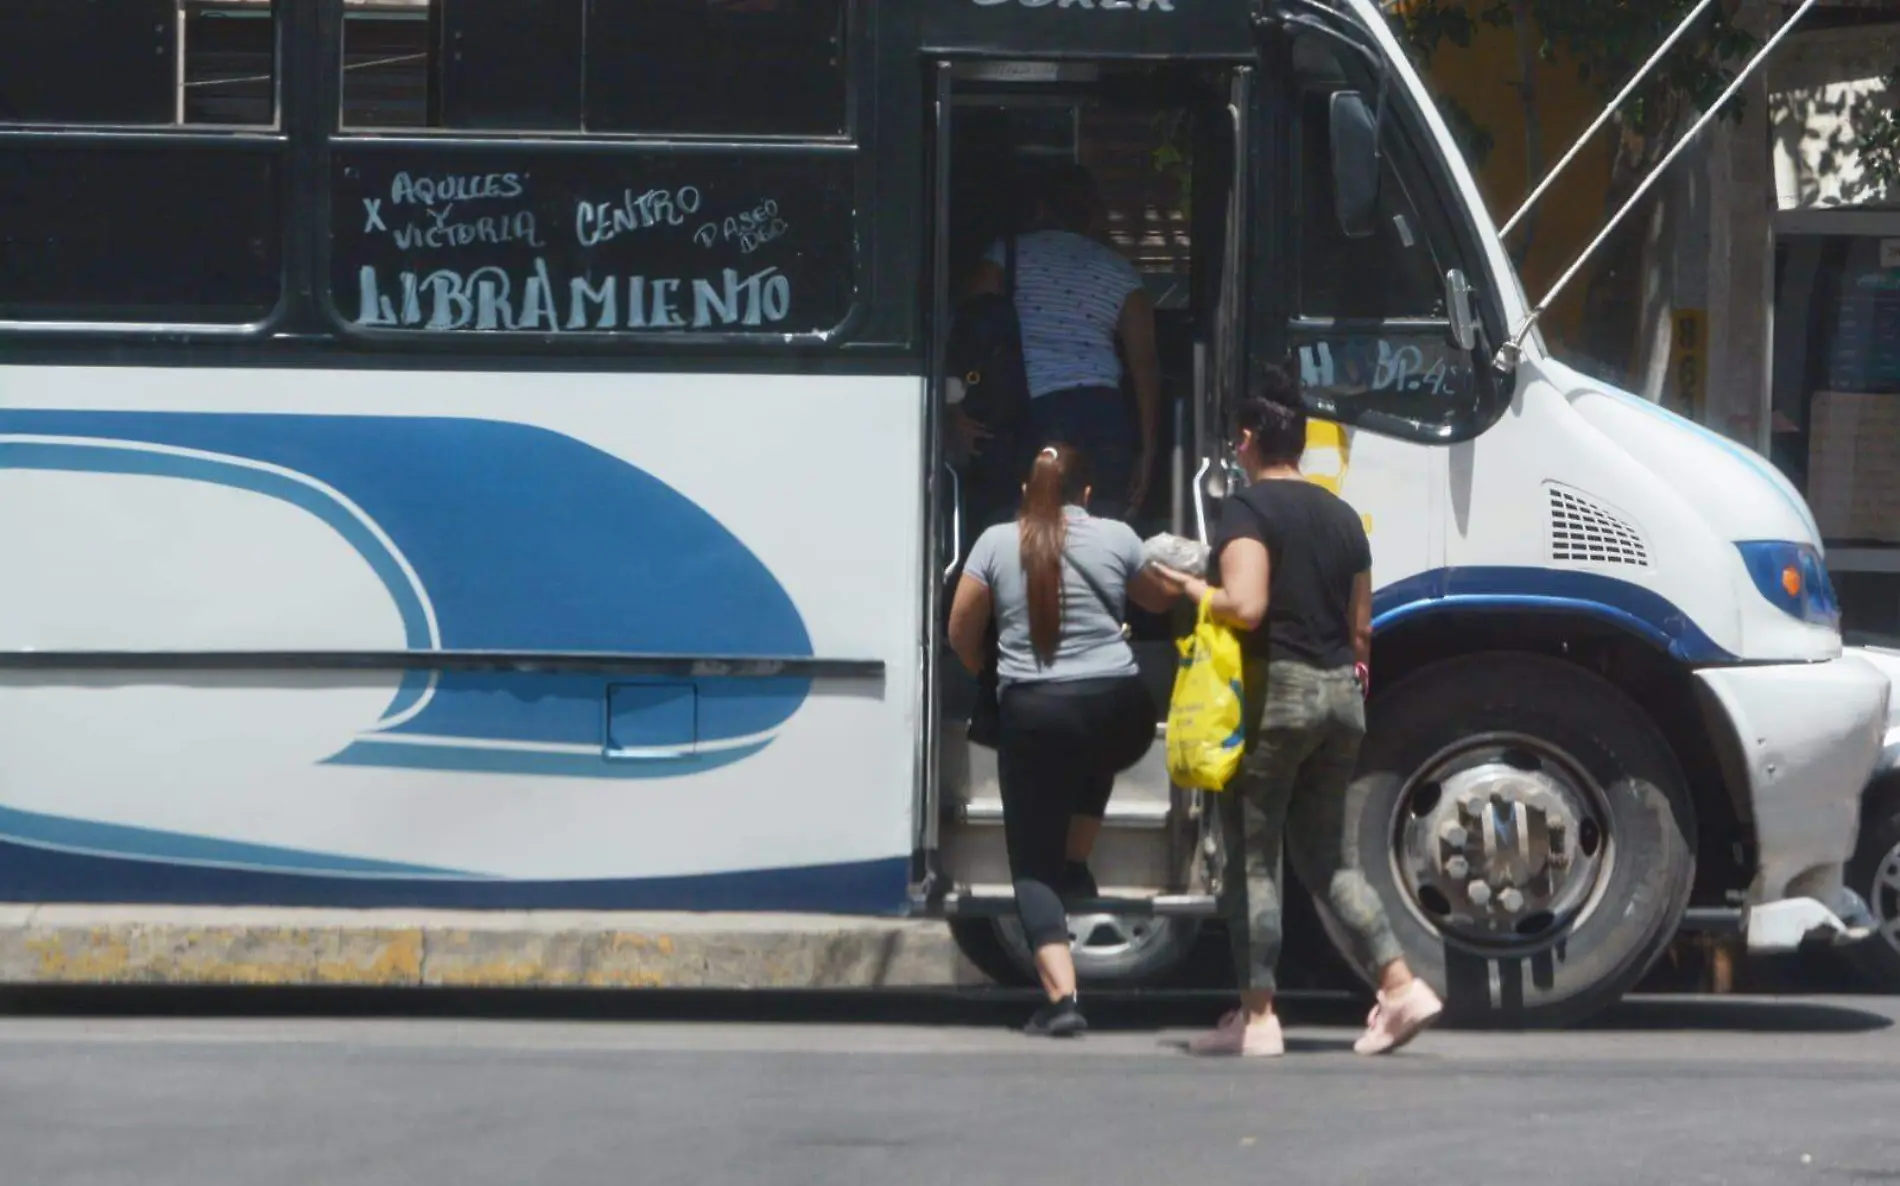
column 1791, row 581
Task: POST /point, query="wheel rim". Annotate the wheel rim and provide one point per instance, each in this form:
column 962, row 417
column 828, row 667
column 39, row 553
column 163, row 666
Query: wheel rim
column 1885, row 898
column 1097, row 939
column 1502, row 842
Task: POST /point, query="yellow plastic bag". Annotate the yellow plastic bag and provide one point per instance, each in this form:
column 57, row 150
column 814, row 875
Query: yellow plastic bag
column 1206, row 733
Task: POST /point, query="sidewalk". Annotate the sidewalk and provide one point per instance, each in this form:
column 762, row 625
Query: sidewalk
column 468, row 949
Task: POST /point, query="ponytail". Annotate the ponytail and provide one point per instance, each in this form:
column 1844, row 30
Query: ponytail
column 1058, row 477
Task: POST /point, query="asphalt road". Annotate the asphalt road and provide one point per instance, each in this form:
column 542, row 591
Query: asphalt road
column 1665, row 1091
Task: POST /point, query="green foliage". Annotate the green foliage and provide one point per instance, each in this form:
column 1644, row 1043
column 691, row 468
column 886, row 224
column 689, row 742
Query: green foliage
column 1879, row 145
column 1474, row 139
column 1174, row 156
column 1604, row 41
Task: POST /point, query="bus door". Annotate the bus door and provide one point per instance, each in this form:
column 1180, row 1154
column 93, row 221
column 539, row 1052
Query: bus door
column 1160, row 141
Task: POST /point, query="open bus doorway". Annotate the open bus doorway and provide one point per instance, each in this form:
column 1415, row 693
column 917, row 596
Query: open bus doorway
column 1158, row 142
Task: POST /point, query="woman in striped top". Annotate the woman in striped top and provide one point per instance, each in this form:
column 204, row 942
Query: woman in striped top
column 1076, row 299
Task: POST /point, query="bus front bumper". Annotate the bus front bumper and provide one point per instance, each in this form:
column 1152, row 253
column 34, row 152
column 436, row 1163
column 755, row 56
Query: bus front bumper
column 1808, row 739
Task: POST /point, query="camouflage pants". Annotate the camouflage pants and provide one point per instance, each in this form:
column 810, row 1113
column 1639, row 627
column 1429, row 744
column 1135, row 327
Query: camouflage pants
column 1290, row 794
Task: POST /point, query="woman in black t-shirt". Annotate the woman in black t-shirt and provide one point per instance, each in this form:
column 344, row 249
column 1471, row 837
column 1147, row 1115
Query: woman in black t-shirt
column 1293, row 572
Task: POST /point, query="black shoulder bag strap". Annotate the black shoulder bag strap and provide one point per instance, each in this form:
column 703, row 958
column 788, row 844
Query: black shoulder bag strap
column 1101, row 594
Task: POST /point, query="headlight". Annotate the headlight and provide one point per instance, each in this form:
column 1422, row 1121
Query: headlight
column 1793, row 579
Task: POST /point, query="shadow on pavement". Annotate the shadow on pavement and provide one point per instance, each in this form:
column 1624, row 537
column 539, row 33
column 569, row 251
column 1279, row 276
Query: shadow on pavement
column 1126, row 1011
column 975, row 1008
column 1722, row 1015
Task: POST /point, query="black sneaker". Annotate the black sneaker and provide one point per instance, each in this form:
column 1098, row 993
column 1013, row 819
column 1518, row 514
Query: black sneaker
column 1058, row 1019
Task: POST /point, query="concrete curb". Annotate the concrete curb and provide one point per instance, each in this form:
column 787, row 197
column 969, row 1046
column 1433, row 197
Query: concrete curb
column 440, row 949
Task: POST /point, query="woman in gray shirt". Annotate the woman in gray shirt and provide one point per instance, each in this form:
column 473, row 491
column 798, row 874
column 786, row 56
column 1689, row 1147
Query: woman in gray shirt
column 1074, row 712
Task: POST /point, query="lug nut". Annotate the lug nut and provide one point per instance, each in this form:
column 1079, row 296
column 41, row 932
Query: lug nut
column 1511, row 900
column 1453, row 834
column 1479, row 893
column 1458, row 867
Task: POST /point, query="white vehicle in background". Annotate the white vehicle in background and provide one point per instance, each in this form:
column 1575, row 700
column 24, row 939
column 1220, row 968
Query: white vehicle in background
column 444, row 475
column 1874, row 871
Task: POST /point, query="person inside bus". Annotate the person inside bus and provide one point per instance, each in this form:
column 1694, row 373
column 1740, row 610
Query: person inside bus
column 1292, row 571
column 1073, row 711
column 1077, row 299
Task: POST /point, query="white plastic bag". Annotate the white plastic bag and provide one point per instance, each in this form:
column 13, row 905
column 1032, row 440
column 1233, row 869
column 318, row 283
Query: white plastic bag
column 1182, row 555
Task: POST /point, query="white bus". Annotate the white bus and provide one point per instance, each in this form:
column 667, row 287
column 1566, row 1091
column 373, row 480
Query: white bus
column 457, row 453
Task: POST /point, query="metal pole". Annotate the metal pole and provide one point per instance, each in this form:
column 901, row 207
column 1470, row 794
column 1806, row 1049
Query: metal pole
column 180, row 75
column 1177, row 468
column 1516, row 344
column 1622, row 97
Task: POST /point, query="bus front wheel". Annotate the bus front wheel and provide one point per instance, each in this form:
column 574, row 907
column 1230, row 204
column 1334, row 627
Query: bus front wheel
column 1529, row 831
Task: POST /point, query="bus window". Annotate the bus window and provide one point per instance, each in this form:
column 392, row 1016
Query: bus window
column 731, row 67
column 100, row 220
column 498, row 232
column 104, row 232
column 1390, row 274
column 1370, row 331
column 386, row 66
column 509, row 65
column 138, row 62
column 503, row 238
column 660, row 67
column 91, row 61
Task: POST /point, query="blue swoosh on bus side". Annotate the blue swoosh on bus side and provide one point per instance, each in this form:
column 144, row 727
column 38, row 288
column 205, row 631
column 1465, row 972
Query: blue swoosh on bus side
column 493, row 536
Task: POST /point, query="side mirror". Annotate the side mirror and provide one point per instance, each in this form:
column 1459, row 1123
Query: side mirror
column 1464, row 323
column 1355, row 151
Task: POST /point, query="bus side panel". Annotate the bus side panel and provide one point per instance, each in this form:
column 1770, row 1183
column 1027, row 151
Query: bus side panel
column 244, row 510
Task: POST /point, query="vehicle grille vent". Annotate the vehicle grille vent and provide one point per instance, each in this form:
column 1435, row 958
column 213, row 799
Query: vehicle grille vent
column 1583, row 531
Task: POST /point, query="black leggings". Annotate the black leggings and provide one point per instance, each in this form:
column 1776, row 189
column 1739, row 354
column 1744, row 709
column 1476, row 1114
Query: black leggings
column 1059, row 748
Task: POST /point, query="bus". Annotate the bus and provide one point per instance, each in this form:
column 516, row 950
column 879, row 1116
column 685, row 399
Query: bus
column 481, row 455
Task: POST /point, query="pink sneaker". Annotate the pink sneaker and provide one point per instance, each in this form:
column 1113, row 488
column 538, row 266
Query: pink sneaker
column 1399, row 1018
column 1234, row 1037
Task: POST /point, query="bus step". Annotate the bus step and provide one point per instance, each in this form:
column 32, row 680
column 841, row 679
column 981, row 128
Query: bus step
column 1712, row 920
column 1133, row 815
column 990, row 903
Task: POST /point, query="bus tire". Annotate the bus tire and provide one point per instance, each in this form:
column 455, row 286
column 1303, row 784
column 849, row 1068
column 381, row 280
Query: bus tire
column 981, row 942
column 1535, row 729
column 1110, row 951
column 1874, row 874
